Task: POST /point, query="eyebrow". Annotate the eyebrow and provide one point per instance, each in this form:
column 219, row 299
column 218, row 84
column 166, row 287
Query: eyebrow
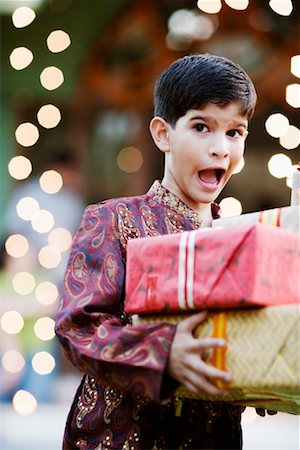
column 211, row 119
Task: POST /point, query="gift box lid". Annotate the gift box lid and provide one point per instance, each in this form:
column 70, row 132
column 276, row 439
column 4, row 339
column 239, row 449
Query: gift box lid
column 212, row 268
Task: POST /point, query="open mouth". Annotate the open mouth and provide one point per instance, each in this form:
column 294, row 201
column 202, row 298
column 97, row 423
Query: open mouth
column 211, row 176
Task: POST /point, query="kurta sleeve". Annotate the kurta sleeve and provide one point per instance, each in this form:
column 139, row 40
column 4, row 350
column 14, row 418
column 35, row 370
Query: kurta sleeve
column 130, row 357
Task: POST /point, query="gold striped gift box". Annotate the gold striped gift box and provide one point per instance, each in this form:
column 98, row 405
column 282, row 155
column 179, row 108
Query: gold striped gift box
column 287, row 217
column 262, row 354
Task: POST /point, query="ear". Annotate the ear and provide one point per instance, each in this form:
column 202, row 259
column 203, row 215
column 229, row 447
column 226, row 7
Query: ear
column 159, row 130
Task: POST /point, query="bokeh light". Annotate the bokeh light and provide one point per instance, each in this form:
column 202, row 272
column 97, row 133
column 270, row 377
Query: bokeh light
column 291, row 139
column 24, row 403
column 230, row 206
column 49, row 116
column 44, row 328
column 292, row 95
column 210, row 6
column 295, row 65
column 23, row 283
column 279, row 165
column 16, row 245
column 27, row 207
column 13, row 361
column 51, row 78
column 20, row 58
column 12, row 322
column 51, row 181
column 240, row 166
column 23, row 16
column 19, row 167
column 49, row 257
column 204, row 27
column 282, row 7
column 181, row 23
column 238, row 4
column 60, row 238
column 43, row 363
column 46, row 293
column 58, row 41
column 277, row 125
column 130, row 159
column 42, row 221
column 186, row 25
column 27, row 134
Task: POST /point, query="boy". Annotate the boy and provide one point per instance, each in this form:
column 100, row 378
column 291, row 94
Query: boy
column 203, row 104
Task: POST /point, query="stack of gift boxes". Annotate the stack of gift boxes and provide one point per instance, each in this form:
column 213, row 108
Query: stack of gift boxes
column 246, row 271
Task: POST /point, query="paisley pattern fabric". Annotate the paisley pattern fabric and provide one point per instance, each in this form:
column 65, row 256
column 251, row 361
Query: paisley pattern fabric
column 125, row 400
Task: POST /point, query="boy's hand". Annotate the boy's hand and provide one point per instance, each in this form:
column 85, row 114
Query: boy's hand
column 262, row 412
column 187, row 358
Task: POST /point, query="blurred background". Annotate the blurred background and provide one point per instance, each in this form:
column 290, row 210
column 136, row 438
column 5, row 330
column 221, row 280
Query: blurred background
column 76, row 100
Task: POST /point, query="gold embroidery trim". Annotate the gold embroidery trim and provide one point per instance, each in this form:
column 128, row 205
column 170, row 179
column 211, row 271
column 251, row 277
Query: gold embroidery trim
column 87, row 400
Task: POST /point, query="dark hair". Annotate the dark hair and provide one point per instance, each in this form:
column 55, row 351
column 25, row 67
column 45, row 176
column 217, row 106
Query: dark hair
column 193, row 81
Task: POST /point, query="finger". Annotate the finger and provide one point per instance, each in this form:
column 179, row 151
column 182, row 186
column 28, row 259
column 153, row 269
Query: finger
column 201, row 385
column 191, row 322
column 198, row 368
column 210, row 388
column 208, row 343
column 271, row 413
column 212, row 373
column 261, row 412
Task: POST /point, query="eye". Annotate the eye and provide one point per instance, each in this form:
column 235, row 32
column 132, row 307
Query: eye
column 200, row 127
column 234, row 133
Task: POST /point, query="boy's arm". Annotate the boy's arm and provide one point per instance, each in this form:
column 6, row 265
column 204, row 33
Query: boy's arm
column 88, row 324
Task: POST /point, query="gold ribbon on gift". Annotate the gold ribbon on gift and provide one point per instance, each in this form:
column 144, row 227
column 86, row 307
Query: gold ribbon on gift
column 219, row 353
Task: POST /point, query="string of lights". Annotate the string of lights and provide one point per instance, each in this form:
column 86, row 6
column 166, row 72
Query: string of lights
column 24, row 283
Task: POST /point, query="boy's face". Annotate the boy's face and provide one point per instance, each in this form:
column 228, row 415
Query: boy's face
column 202, row 152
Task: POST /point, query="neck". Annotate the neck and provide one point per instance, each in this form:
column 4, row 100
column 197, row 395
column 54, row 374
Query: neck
column 202, row 209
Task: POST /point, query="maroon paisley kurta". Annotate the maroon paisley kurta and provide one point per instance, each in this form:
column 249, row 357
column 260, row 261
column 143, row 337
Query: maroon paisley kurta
column 125, row 398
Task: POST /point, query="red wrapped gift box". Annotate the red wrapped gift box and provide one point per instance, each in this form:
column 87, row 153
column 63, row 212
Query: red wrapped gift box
column 213, row 268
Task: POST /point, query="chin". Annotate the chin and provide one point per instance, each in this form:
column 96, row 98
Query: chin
column 207, row 199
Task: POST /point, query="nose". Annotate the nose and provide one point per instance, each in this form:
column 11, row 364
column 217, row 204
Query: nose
column 219, row 147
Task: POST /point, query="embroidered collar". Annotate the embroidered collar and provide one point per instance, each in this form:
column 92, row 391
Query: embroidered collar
column 163, row 196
